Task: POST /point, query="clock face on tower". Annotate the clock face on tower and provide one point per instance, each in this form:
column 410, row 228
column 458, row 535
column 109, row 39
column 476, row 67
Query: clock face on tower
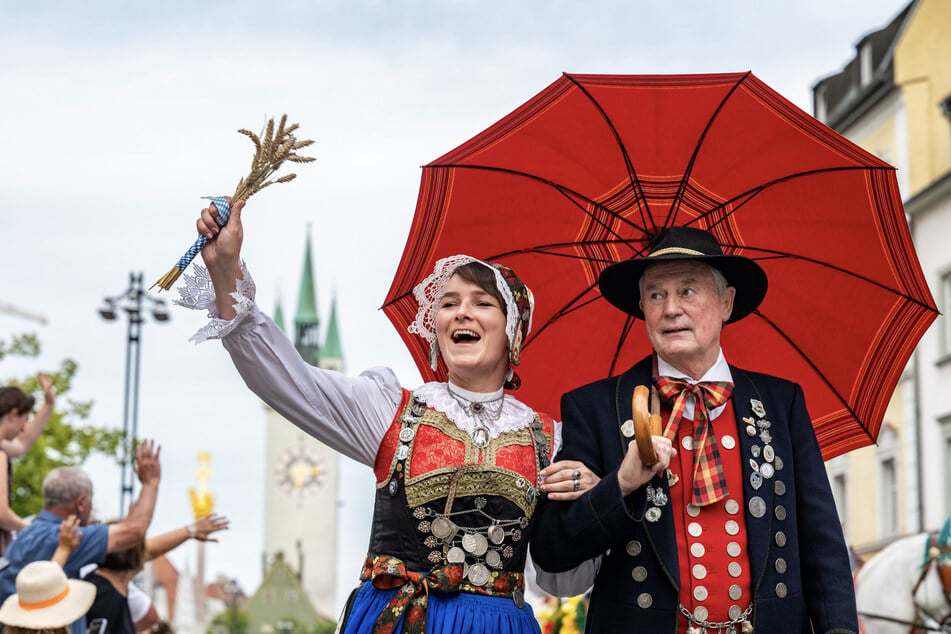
column 299, row 472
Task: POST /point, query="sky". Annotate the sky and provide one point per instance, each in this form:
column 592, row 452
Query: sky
column 116, row 117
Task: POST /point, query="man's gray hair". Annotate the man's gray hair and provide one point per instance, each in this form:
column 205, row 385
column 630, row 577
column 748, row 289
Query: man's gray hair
column 62, row 485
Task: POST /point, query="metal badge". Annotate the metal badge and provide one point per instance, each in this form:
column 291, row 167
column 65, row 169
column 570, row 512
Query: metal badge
column 755, row 451
column 732, row 506
column 780, row 539
column 758, row 408
column 766, row 437
column 780, row 565
column 496, row 534
column 478, row 574
column 660, row 498
column 780, row 512
column 628, row 429
column 672, row 478
column 728, row 441
column 455, row 555
column 639, row 573
column 645, row 600
column 766, row 469
column 750, row 431
column 733, row 549
column 700, row 593
column 756, row 480
column 754, row 465
column 401, row 452
column 735, row 569
column 769, row 453
column 687, row 443
column 633, row 548
column 779, row 487
column 757, row 506
column 652, row 514
column 732, row 528
column 518, row 598
column 407, row 434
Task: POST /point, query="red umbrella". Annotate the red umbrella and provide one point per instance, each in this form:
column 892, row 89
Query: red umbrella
column 588, row 170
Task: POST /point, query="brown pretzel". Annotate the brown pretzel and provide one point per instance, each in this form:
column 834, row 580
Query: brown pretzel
column 645, row 425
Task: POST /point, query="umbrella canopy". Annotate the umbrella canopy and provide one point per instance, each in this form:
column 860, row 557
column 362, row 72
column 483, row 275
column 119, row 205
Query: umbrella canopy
column 590, row 169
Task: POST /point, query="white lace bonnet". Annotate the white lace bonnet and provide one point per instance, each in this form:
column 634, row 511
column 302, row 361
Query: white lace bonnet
column 428, row 293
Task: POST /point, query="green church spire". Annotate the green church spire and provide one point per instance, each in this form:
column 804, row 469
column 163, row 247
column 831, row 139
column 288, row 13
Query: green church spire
column 279, row 313
column 332, row 348
column 306, row 322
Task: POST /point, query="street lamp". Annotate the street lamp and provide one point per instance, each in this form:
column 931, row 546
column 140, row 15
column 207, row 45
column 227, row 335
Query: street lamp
column 130, row 301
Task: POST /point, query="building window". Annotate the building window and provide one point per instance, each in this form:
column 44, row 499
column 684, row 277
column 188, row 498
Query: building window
column 865, row 64
column 888, row 505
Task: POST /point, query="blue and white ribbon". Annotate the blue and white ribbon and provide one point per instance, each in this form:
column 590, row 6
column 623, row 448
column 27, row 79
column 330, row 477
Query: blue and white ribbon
column 224, row 212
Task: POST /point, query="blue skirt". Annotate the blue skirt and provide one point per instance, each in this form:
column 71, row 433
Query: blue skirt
column 458, row 613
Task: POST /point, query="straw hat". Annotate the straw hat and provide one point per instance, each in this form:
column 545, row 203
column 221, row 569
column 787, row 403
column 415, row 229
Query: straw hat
column 45, row 598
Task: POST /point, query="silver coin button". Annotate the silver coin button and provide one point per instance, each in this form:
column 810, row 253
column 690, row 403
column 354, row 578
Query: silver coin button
column 645, row 600
column 780, row 565
column 687, row 443
column 780, row 539
column 694, row 529
column 732, row 506
column 727, row 441
column 734, row 569
column 733, row 549
column 633, row 548
column 780, row 512
column 699, row 571
column 693, row 510
column 732, row 528
column 700, row 613
column 781, row 590
column 700, row 593
column 736, row 592
column 697, row 549
column 639, row 573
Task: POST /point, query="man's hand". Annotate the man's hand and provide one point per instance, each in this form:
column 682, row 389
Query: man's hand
column 633, row 474
column 204, row 527
column 147, row 466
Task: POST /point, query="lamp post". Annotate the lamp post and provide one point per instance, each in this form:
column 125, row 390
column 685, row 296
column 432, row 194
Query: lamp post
column 131, row 301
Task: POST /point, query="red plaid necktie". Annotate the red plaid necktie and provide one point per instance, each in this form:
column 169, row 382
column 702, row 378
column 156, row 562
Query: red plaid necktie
column 709, row 483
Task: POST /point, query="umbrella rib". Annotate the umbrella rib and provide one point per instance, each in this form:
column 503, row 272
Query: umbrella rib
column 678, row 197
column 643, row 207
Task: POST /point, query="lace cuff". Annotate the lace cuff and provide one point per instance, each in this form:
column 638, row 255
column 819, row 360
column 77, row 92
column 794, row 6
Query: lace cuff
column 198, row 294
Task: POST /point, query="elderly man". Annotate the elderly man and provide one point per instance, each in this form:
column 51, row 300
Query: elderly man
column 68, row 491
column 734, row 528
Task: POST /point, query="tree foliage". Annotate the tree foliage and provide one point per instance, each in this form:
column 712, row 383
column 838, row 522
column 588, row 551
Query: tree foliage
column 66, row 441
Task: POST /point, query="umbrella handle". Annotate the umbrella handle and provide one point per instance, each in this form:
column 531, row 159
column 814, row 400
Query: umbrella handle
column 646, row 425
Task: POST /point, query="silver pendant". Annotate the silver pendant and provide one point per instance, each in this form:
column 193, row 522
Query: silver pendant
column 480, row 437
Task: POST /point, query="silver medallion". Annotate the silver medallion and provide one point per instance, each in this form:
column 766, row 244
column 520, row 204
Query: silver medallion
column 455, row 555
column 700, row 593
column 493, row 558
column 733, row 549
column 443, row 528
column 469, row 542
column 780, row 512
column 628, row 429
column 732, row 506
column 407, row 434
column 480, row 437
column 757, row 506
column 727, row 441
column 769, row 453
column 639, row 573
column 652, row 514
column 496, row 534
column 481, row 545
column 478, row 574
column 780, row 539
column 735, row 593
column 731, row 527
column 633, row 548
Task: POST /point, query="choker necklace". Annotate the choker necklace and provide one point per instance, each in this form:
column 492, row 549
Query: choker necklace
column 481, row 412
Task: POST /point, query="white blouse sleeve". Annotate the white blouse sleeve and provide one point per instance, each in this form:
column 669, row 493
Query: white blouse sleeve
column 348, row 414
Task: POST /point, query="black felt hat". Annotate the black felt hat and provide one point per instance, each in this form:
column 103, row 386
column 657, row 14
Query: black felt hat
column 619, row 282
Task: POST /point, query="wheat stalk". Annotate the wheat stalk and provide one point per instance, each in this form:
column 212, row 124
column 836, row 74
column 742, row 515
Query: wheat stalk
column 271, row 149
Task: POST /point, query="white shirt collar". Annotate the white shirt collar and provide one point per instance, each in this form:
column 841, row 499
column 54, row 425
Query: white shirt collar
column 719, row 371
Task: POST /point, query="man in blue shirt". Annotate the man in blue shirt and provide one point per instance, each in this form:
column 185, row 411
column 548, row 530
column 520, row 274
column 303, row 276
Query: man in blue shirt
column 68, row 491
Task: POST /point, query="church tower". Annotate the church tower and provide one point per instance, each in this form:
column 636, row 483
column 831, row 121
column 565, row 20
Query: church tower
column 301, row 473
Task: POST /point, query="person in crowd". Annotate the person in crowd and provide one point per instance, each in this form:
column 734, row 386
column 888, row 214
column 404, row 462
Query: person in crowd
column 68, row 491
column 46, row 601
column 17, row 436
column 734, row 527
column 458, row 464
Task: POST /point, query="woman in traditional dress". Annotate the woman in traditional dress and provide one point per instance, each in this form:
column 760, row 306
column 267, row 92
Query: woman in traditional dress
column 458, row 465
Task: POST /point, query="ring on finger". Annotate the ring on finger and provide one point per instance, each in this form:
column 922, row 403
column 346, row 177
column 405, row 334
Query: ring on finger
column 577, row 484
column 576, row 475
